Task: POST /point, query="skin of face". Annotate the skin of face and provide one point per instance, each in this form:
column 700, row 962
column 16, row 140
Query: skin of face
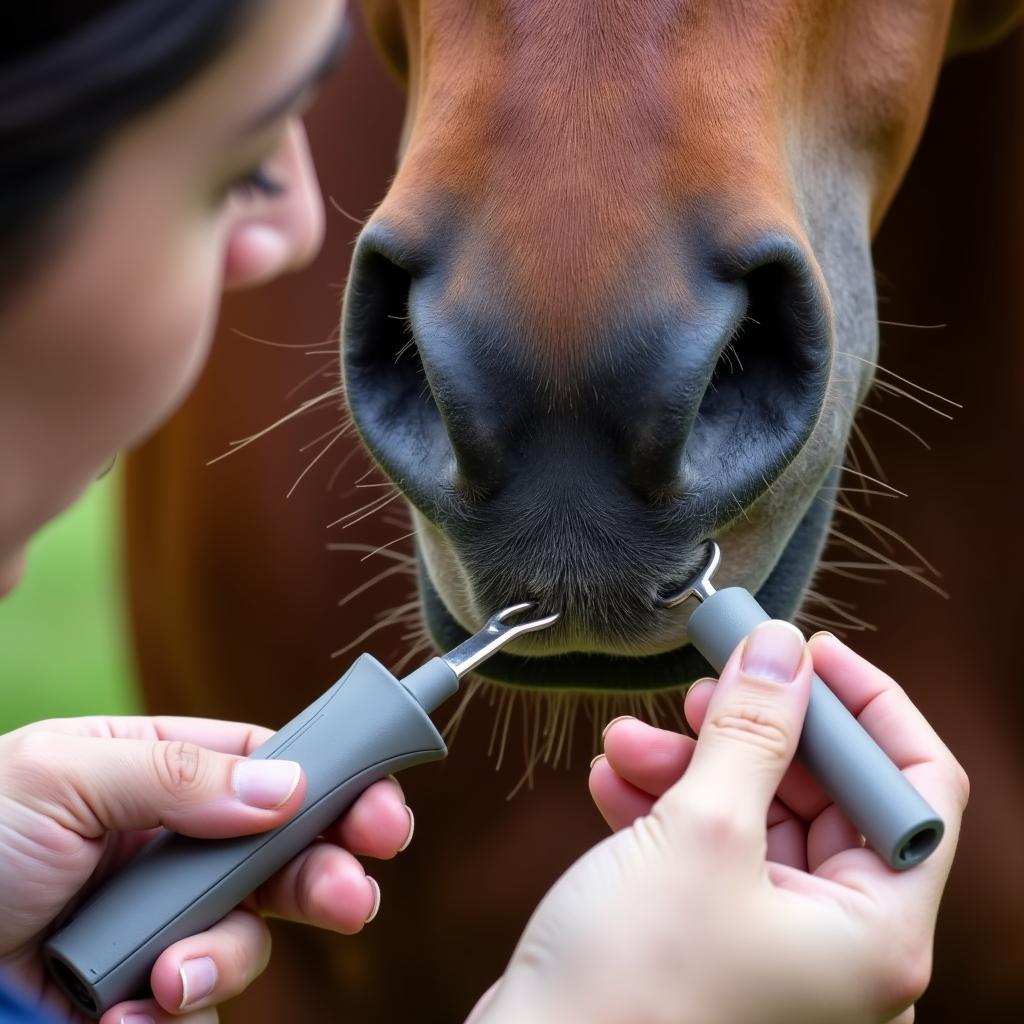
column 104, row 340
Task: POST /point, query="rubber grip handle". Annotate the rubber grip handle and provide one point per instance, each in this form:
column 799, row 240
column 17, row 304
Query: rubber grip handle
column 363, row 728
column 872, row 792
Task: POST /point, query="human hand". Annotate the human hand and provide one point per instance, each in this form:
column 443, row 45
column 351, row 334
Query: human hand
column 80, row 796
column 733, row 889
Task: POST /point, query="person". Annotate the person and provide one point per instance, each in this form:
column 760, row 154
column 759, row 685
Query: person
column 152, row 155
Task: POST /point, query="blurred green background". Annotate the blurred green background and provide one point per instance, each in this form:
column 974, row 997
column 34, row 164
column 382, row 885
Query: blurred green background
column 63, row 646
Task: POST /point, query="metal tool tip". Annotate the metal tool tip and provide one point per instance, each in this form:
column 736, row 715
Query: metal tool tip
column 699, row 586
column 512, row 609
column 501, row 618
column 497, row 632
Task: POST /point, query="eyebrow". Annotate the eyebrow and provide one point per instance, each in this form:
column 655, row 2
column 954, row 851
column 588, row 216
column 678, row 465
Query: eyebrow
column 323, row 67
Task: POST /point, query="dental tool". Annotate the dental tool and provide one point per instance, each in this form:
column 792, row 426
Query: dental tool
column 854, row 771
column 366, row 726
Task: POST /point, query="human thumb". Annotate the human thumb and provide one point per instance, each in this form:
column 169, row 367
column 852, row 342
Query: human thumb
column 751, row 728
column 94, row 785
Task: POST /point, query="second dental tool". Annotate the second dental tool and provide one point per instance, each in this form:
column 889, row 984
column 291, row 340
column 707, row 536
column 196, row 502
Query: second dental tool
column 897, row 822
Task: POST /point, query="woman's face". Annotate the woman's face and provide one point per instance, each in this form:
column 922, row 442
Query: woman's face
column 213, row 188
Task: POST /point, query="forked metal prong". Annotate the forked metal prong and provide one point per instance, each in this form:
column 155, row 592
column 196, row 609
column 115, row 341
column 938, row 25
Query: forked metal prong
column 700, row 586
column 496, row 633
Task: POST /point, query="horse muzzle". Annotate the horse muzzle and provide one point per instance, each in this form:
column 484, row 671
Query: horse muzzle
column 583, row 476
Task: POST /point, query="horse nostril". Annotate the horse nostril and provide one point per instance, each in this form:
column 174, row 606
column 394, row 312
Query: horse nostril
column 768, row 384
column 386, row 382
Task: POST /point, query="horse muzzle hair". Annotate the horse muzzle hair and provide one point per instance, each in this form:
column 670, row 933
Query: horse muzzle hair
column 619, row 298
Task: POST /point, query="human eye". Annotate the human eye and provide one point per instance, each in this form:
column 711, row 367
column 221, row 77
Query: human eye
column 256, row 182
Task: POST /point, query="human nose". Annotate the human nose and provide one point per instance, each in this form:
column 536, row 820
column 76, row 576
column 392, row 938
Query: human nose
column 278, row 233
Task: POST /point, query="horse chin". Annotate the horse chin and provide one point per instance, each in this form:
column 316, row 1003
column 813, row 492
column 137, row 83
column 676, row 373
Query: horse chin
column 780, row 596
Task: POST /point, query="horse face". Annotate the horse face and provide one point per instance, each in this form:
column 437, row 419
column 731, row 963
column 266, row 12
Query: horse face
column 619, row 298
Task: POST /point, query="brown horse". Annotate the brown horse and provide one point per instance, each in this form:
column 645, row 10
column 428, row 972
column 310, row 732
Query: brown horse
column 619, row 298
column 632, row 242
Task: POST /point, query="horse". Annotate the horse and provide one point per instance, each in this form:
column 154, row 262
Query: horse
column 618, row 297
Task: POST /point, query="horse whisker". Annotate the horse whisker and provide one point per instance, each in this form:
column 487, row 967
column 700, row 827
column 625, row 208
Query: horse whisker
column 451, row 728
column 337, row 206
column 273, row 344
column 841, row 507
column 510, row 705
column 885, row 416
column 381, row 501
column 306, row 406
column 850, row 620
column 862, row 491
column 384, row 547
column 392, row 570
column 392, row 617
column 862, row 439
column 423, row 645
column 356, row 450
column 873, row 525
column 327, row 433
column 398, row 556
column 881, row 483
column 398, row 521
column 327, row 370
column 340, row 433
column 369, row 472
column 917, row 327
column 893, row 389
column 904, row 380
column 896, row 566
column 837, row 570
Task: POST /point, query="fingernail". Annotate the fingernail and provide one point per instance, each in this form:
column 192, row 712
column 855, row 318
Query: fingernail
column 266, row 784
column 774, row 651
column 137, row 1018
column 822, row 632
column 596, row 759
column 198, row 980
column 703, row 679
column 376, row 898
column 412, row 828
column 621, row 718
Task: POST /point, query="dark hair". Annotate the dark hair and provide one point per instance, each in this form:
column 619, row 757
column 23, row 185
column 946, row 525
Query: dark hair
column 70, row 76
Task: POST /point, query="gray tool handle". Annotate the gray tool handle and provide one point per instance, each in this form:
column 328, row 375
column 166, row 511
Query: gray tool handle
column 363, row 728
column 855, row 772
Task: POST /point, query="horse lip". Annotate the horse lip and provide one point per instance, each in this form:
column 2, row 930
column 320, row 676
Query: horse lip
column 571, row 671
column 780, row 596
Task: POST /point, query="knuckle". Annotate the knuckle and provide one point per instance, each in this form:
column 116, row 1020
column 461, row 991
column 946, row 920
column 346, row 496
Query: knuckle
column 263, row 951
column 305, row 890
column 904, row 978
column 961, row 784
column 179, row 766
column 31, row 758
column 756, row 725
column 716, row 825
column 241, row 964
column 29, row 748
column 911, row 979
